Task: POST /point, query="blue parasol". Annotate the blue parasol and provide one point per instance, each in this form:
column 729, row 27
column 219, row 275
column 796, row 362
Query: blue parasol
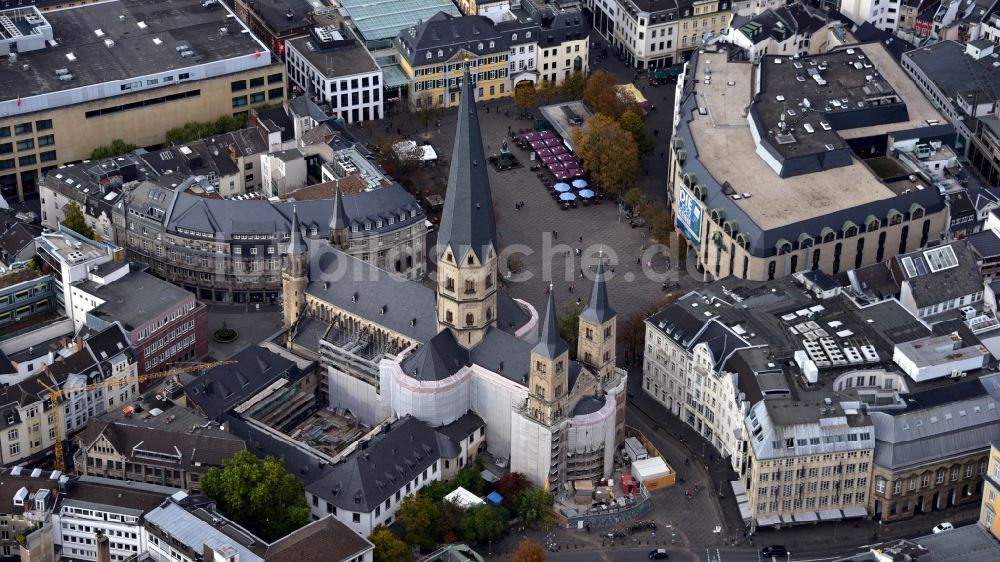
column 586, row 193
column 579, row 184
column 561, row 187
column 567, row 197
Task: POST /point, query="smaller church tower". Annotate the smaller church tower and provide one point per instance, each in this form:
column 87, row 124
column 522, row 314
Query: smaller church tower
column 339, row 223
column 596, row 340
column 295, row 274
column 548, row 374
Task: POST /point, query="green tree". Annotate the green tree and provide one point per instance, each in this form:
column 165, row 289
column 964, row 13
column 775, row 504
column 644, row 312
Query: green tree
column 388, row 548
column 608, row 152
column 470, row 477
column 73, row 219
column 569, row 326
column 572, row 85
column 437, row 490
column 634, row 198
column 483, row 523
column 116, row 148
column 525, row 97
column 548, row 91
column 528, row 551
column 632, row 123
column 534, row 505
column 261, row 496
column 421, row 518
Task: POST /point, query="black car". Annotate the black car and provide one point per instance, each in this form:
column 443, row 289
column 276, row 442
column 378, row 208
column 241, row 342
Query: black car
column 658, row 554
column 774, row 550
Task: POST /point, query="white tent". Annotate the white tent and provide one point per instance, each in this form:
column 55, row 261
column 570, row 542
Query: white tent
column 464, row 498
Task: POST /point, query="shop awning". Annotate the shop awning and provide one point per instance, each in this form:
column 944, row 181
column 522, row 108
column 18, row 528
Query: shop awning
column 768, row 521
column 745, row 512
column 855, row 512
column 830, row 515
column 805, row 517
column 738, row 488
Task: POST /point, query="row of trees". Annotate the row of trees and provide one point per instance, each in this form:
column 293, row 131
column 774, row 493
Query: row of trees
column 527, row 96
column 614, row 140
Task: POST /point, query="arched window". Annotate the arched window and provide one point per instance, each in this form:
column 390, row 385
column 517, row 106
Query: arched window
column 916, row 211
column 448, row 317
column 849, row 229
column 489, row 314
column 805, row 241
column 895, row 217
column 872, row 223
column 783, row 246
column 827, row 234
column 469, row 319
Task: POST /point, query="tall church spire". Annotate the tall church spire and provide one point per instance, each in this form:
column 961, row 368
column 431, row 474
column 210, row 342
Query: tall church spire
column 296, row 245
column 598, row 309
column 550, row 345
column 467, row 218
column 467, row 240
column 339, row 221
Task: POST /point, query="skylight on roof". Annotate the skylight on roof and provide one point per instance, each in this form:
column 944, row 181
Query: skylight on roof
column 939, row 259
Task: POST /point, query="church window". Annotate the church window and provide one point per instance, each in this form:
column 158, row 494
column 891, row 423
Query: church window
column 489, row 314
column 470, row 286
column 559, row 367
column 558, row 391
column 489, row 281
column 471, row 260
column 448, row 317
column 589, row 333
column 449, row 284
column 607, row 332
column 587, row 358
column 607, row 355
column 469, row 320
column 539, row 366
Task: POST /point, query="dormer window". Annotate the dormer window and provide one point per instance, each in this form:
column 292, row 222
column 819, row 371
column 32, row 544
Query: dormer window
column 378, row 224
column 440, row 53
column 354, row 228
column 368, row 226
column 513, row 37
column 491, row 44
column 479, row 46
column 429, row 55
column 527, row 35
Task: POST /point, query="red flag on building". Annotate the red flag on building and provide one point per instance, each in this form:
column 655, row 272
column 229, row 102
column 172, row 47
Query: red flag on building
column 19, row 101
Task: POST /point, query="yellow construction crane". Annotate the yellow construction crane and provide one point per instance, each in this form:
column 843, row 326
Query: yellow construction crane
column 55, row 394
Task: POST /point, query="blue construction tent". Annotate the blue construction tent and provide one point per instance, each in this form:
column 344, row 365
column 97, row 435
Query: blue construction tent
column 494, row 498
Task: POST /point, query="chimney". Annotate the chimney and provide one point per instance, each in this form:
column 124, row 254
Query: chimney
column 103, row 548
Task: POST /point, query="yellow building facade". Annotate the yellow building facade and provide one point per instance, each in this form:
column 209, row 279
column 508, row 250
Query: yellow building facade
column 991, row 494
column 701, row 19
column 440, row 85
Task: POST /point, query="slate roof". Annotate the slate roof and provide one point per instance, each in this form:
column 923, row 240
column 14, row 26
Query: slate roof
column 448, row 35
column 939, row 423
column 678, row 322
column 932, row 288
column 467, row 220
column 198, row 450
column 550, row 344
column 134, row 498
column 222, row 388
column 721, row 341
column 463, row 427
column 16, row 238
column 442, row 356
column 338, row 218
column 589, row 405
column 362, row 289
column 326, row 540
column 985, row 244
column 223, row 218
column 380, row 467
column 598, row 308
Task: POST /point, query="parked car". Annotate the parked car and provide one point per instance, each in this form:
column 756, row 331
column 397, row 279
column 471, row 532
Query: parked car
column 658, row 554
column 942, row 527
column 773, row 551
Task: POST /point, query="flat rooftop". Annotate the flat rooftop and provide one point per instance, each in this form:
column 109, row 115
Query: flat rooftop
column 725, row 145
column 146, row 36
column 727, row 149
column 940, row 350
column 336, row 62
column 70, row 249
column 135, row 299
